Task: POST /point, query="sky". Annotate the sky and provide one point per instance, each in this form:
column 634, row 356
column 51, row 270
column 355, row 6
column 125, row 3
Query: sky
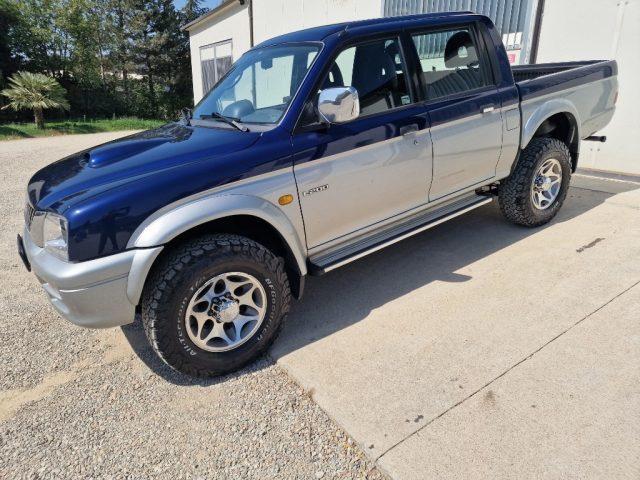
column 205, row 3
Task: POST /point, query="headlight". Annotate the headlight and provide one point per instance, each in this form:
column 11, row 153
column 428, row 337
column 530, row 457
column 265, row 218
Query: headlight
column 55, row 235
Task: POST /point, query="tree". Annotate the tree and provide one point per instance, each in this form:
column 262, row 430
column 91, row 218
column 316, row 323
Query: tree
column 191, row 10
column 36, row 92
column 113, row 57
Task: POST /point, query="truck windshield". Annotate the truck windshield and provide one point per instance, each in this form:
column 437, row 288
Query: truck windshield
column 260, row 85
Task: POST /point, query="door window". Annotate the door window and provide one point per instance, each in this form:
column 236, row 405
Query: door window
column 376, row 69
column 450, row 62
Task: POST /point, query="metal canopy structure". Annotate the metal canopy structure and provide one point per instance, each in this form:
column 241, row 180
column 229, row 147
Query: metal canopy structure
column 514, row 19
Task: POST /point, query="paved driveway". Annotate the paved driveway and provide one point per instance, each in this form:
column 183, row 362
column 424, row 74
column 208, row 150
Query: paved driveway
column 484, row 350
column 476, row 350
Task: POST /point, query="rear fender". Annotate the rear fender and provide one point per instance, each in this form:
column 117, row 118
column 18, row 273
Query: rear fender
column 534, row 114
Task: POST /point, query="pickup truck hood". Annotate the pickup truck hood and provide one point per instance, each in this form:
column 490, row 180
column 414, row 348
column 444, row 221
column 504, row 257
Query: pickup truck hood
column 131, row 159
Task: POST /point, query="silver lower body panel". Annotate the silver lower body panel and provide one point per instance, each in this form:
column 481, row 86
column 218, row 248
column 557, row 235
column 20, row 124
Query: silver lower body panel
column 101, row 306
column 90, row 294
column 395, row 233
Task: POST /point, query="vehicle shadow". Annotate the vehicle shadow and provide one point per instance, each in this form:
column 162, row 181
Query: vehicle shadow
column 346, row 296
column 135, row 336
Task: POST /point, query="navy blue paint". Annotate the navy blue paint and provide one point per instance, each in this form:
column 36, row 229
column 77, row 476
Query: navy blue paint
column 497, row 52
column 509, row 96
column 105, row 200
column 566, row 79
column 319, row 34
column 309, row 146
column 451, row 109
column 316, row 34
column 106, row 192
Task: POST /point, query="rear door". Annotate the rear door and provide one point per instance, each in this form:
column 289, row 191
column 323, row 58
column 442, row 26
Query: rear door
column 463, row 103
column 355, row 175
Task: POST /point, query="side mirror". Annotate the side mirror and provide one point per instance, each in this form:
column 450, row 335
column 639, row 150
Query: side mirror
column 339, row 105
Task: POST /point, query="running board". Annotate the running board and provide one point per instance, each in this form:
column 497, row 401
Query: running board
column 330, row 261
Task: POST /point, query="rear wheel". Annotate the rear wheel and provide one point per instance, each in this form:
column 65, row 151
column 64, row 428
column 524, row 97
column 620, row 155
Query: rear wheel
column 215, row 304
column 534, row 192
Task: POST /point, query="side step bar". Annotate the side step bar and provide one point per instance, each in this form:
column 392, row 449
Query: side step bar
column 325, row 263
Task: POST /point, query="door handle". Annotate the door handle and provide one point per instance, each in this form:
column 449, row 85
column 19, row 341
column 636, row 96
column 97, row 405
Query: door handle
column 408, row 130
column 488, row 108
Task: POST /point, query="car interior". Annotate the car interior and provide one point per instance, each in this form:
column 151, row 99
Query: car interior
column 377, row 75
column 462, row 71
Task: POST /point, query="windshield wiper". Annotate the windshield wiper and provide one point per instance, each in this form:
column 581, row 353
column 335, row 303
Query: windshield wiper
column 228, row 120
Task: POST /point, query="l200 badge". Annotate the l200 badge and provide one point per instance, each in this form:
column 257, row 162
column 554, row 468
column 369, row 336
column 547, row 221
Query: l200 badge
column 321, row 188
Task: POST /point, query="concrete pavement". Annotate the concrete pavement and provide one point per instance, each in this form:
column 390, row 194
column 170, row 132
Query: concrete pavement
column 475, row 350
column 433, row 352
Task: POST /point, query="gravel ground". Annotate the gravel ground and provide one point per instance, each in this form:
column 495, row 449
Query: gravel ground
column 77, row 403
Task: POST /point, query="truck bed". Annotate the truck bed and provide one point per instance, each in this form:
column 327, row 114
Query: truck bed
column 529, row 72
column 590, row 87
column 533, row 80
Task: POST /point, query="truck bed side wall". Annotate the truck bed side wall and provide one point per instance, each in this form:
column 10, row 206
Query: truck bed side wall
column 587, row 93
column 529, row 72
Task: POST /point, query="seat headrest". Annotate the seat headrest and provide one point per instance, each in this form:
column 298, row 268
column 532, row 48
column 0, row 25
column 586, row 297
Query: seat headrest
column 372, row 68
column 460, row 51
column 334, row 78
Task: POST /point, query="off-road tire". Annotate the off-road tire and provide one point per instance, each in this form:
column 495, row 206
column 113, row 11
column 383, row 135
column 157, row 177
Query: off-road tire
column 514, row 193
column 181, row 273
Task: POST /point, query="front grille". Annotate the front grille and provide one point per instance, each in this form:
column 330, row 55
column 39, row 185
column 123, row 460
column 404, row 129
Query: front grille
column 29, row 212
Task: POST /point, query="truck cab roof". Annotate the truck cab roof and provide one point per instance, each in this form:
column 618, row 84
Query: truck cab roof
column 318, row 34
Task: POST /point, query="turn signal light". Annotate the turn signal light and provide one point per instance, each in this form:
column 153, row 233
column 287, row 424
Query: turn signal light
column 285, row 199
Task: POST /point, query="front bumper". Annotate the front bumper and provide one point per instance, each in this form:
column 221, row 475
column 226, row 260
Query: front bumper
column 91, row 294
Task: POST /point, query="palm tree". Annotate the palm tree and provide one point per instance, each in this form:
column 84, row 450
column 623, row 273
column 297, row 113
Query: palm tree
column 37, row 92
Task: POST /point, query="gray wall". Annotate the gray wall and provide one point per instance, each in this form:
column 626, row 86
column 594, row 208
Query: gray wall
column 601, row 29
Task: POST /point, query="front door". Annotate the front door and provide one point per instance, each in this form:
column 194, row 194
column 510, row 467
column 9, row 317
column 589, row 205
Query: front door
column 354, row 175
column 464, row 108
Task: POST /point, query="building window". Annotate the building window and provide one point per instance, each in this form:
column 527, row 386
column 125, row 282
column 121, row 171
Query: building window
column 216, row 60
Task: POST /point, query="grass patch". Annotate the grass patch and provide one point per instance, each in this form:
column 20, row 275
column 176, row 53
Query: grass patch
column 11, row 131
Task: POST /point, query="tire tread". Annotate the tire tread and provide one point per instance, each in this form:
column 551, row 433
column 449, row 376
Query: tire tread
column 165, row 278
column 514, row 191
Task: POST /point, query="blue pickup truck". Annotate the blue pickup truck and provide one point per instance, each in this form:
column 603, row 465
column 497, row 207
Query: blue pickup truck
column 316, row 149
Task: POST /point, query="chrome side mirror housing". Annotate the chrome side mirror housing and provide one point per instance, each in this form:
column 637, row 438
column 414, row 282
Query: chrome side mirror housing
column 339, row 105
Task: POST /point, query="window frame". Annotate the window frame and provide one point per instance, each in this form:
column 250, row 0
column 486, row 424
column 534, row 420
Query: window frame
column 339, row 49
column 486, row 67
column 215, row 46
column 269, row 126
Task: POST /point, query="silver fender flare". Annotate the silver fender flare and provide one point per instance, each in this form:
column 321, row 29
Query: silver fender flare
column 169, row 222
column 542, row 113
column 140, row 267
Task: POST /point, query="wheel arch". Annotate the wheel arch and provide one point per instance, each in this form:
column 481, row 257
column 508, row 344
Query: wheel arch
column 245, row 215
column 557, row 119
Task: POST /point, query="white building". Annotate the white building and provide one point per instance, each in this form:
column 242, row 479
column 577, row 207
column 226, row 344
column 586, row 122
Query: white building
column 534, row 31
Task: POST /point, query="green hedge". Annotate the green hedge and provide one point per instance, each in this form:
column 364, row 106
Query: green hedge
column 66, row 127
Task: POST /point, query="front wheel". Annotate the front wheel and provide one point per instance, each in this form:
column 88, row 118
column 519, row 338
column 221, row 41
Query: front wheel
column 534, row 192
column 215, row 304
